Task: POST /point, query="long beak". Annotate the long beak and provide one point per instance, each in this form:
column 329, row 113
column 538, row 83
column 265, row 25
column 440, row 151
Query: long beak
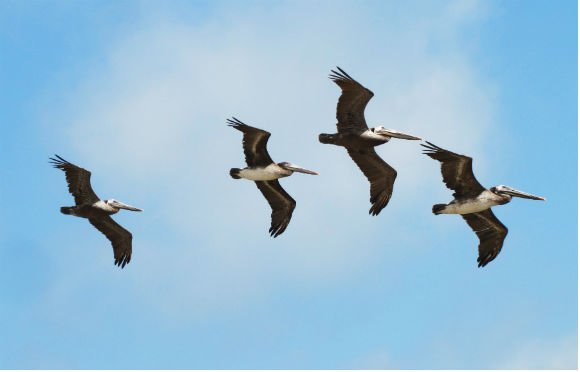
column 396, row 134
column 128, row 207
column 297, row 168
column 521, row 194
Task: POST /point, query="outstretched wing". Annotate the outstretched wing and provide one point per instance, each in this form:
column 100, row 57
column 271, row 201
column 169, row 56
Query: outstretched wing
column 78, row 179
column 352, row 102
column 120, row 238
column 255, row 141
column 491, row 233
column 380, row 175
column 456, row 171
column 281, row 203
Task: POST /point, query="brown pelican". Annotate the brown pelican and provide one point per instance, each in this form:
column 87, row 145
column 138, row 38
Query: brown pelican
column 262, row 169
column 354, row 135
column 88, row 205
column 473, row 202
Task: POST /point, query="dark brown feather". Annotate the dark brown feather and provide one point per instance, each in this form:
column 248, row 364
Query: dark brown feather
column 78, row 179
column 491, row 233
column 281, row 203
column 380, row 175
column 254, row 142
column 121, row 239
column 352, row 102
column 456, row 170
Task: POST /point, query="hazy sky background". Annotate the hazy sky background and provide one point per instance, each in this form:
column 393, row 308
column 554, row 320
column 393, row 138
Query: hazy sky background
column 138, row 93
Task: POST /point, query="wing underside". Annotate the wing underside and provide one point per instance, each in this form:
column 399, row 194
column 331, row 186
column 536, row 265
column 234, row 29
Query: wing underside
column 380, row 175
column 491, row 233
column 281, row 203
column 120, row 238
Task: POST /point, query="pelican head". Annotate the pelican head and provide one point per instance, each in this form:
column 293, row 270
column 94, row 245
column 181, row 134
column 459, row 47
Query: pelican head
column 295, row 168
column 118, row 205
column 382, row 131
column 506, row 190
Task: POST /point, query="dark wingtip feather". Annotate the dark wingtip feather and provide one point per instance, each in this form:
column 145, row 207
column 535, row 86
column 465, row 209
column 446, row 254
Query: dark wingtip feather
column 277, row 230
column 339, row 75
column 482, row 261
column 122, row 261
column 238, row 124
column 59, row 162
column 233, row 122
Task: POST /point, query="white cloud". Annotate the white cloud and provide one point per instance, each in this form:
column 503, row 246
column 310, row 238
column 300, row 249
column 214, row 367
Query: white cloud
column 159, row 109
column 544, row 354
column 377, row 359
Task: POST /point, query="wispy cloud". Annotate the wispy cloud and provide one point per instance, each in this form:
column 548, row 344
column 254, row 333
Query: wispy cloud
column 543, row 354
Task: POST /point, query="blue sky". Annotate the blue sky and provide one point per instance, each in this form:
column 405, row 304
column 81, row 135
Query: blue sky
column 138, row 92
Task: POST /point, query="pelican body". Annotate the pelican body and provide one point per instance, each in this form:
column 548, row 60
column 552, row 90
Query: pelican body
column 474, row 202
column 97, row 211
column 262, row 170
column 359, row 140
column 270, row 172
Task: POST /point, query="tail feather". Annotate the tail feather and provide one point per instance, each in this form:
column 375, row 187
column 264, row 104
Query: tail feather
column 327, row 138
column 438, row 208
column 66, row 210
column 235, row 173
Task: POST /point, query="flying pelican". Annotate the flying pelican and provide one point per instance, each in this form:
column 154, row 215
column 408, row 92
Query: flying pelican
column 262, row 169
column 473, row 202
column 88, row 205
column 354, row 135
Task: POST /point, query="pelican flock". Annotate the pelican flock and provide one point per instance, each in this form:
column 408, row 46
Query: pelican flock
column 98, row 212
column 471, row 200
column 262, row 170
column 359, row 141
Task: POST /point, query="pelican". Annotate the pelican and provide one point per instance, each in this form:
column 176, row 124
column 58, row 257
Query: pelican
column 473, row 202
column 359, row 141
column 262, row 169
column 97, row 211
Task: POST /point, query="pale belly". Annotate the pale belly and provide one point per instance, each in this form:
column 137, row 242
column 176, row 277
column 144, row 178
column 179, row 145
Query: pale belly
column 468, row 207
column 268, row 173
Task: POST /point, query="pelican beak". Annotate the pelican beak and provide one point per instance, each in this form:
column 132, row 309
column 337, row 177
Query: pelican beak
column 128, row 207
column 520, row 194
column 396, row 134
column 297, row 168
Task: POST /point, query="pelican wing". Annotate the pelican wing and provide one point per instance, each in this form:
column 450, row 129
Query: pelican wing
column 456, row 170
column 255, row 141
column 380, row 174
column 120, row 238
column 78, row 179
column 491, row 233
column 352, row 102
column 281, row 203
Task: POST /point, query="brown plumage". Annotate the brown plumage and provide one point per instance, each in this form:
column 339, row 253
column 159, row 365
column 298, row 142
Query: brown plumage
column 359, row 141
column 88, row 205
column 491, row 233
column 456, row 171
column 265, row 173
column 473, row 201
